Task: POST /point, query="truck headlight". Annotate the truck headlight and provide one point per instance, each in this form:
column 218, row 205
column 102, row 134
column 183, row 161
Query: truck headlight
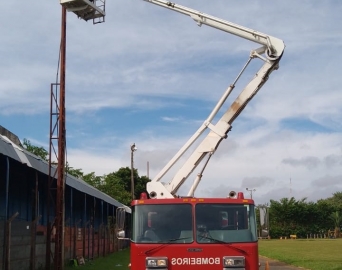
column 233, row 261
column 160, row 262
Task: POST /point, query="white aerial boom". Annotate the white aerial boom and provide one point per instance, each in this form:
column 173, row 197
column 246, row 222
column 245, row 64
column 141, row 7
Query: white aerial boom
column 270, row 53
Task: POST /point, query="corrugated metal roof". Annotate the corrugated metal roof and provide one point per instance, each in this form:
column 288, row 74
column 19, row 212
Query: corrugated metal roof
column 10, row 149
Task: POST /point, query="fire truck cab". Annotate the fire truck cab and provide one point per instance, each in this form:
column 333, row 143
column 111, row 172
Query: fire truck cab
column 194, row 233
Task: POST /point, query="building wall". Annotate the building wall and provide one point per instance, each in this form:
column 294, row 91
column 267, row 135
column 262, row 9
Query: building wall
column 89, row 230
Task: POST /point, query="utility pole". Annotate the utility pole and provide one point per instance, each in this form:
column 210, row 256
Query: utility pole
column 251, row 191
column 133, row 149
column 59, row 243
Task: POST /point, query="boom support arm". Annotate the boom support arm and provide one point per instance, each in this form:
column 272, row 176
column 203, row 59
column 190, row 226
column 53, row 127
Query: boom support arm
column 272, row 48
column 275, row 46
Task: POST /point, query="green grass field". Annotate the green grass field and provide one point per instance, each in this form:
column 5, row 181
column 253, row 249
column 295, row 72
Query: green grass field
column 118, row 260
column 314, row 254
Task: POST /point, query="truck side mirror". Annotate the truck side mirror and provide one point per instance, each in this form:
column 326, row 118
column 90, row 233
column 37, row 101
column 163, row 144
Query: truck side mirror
column 120, row 223
column 120, row 218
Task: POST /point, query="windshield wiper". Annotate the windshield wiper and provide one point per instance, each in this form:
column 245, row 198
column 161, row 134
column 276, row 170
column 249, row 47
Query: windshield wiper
column 222, row 242
column 169, row 241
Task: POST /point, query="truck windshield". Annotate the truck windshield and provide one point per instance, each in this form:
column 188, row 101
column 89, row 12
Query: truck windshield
column 214, row 223
column 164, row 223
column 229, row 223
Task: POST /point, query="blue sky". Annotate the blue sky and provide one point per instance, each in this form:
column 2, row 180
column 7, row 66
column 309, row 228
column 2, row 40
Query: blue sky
column 151, row 76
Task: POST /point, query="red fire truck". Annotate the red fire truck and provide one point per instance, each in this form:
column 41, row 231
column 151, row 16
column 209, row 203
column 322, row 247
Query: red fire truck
column 194, row 233
column 173, row 232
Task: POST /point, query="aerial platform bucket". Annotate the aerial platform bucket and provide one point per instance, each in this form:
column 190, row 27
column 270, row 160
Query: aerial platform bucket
column 86, row 9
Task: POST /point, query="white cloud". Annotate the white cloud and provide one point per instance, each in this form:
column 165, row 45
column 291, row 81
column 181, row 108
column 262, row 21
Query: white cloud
column 170, row 119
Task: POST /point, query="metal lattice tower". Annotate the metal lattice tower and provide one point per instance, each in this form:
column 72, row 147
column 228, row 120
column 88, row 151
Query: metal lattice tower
column 86, row 10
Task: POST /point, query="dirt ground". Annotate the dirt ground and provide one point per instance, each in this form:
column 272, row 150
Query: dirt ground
column 276, row 265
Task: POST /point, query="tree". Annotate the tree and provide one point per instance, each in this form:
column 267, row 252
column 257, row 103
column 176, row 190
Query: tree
column 118, row 184
column 93, row 180
column 323, row 210
column 124, row 177
column 140, row 185
column 289, row 216
column 124, row 174
column 38, row 151
column 336, row 218
column 113, row 186
column 335, row 201
column 74, row 172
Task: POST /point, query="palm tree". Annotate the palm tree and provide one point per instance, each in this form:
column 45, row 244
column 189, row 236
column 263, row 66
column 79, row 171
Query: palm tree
column 336, row 217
